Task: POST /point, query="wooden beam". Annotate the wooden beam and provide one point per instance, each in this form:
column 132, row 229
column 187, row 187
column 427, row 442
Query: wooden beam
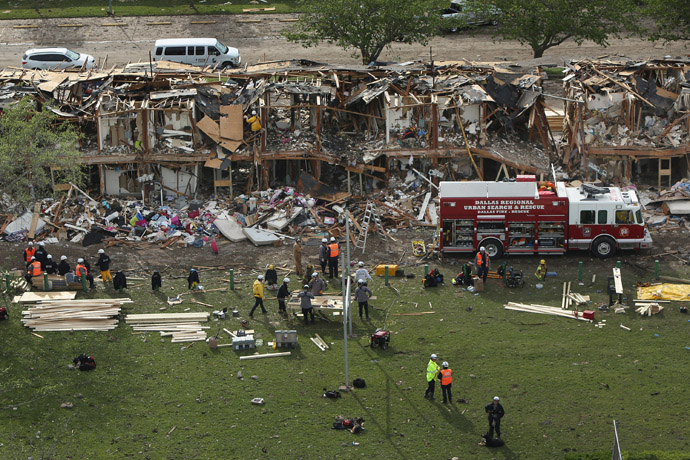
column 269, row 355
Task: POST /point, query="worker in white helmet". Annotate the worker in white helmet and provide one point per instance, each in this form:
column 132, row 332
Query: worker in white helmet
column 445, row 375
column 483, row 263
column 316, row 284
column 362, row 273
column 258, row 291
column 63, row 266
column 103, row 264
column 283, row 294
column 324, row 254
column 51, row 266
column 333, row 258
column 496, row 413
column 362, row 294
column 432, row 370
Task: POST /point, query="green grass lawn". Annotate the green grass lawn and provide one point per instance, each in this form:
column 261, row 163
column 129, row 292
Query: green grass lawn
column 561, row 381
column 26, row 9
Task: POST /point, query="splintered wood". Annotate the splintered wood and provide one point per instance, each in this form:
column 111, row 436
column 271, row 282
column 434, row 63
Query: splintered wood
column 544, row 310
column 648, row 308
column 74, row 315
column 181, row 327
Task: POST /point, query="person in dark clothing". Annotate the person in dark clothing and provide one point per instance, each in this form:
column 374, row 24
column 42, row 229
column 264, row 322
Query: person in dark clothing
column 104, row 265
column 283, row 295
column 271, row 277
column 324, row 255
column 120, row 281
column 4, row 314
column 156, row 281
column 305, row 302
column 192, row 279
column 483, row 263
column 86, row 264
column 51, row 266
column 496, row 413
column 362, row 294
column 41, row 254
column 467, row 274
column 63, row 266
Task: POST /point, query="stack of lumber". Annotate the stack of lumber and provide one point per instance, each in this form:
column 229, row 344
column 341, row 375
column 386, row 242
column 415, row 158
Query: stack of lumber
column 648, row 308
column 74, row 315
column 544, row 310
column 34, row 297
column 182, row 327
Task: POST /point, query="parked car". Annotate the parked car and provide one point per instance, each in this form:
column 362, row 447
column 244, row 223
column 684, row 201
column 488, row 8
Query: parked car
column 56, row 58
column 196, row 51
column 458, row 16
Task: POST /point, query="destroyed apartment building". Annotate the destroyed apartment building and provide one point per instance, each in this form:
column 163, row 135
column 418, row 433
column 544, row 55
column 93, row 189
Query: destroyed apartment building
column 627, row 122
column 154, row 129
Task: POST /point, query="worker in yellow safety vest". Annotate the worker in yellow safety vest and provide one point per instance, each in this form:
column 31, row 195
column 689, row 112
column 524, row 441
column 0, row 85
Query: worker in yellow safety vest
column 432, row 370
column 445, row 375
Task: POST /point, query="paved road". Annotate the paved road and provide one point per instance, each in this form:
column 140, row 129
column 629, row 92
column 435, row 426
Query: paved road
column 258, row 38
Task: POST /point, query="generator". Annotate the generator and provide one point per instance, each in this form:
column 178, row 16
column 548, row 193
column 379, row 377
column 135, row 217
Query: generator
column 243, row 342
column 286, row 339
column 380, row 338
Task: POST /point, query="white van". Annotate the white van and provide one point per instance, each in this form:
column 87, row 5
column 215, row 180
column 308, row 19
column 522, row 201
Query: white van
column 196, row 51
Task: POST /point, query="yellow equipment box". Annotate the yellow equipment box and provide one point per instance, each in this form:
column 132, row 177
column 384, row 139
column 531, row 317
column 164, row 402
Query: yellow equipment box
column 381, row 270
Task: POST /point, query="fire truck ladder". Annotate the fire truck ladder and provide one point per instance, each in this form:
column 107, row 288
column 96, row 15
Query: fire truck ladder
column 369, row 213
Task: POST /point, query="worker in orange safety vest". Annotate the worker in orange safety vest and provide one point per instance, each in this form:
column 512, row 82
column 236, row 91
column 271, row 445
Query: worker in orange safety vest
column 29, row 252
column 333, row 258
column 82, row 272
column 445, row 375
column 483, row 263
column 33, row 269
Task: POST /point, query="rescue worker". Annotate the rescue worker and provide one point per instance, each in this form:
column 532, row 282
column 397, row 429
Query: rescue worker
column 324, row 255
column 483, row 263
column 156, row 281
column 63, row 266
column 431, row 373
column 362, row 273
column 467, row 274
column 258, row 290
column 193, row 279
column 120, row 281
column 541, row 270
column 254, row 122
column 82, row 272
column 362, row 294
column 333, row 258
column 271, row 278
column 104, row 265
column 283, row 295
column 445, row 375
column 86, row 264
column 4, row 314
column 41, row 254
column 305, row 298
column 316, row 284
column 496, row 413
column 307, row 274
column 29, row 252
column 297, row 254
column 51, row 266
column 33, row 269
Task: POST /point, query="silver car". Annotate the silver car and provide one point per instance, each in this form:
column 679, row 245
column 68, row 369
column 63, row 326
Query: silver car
column 56, row 58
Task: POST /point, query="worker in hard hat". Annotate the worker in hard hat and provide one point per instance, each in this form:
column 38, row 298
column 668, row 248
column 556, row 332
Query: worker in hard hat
column 82, row 272
column 324, row 255
column 541, row 270
column 254, row 122
column 104, row 264
column 496, row 413
column 482, row 262
column 432, row 370
column 63, row 266
column 283, row 295
column 317, row 284
column 51, row 266
column 362, row 294
column 193, row 279
column 30, row 252
column 33, row 269
column 333, row 258
column 362, row 273
column 445, row 375
column 271, row 277
column 258, row 291
column 305, row 298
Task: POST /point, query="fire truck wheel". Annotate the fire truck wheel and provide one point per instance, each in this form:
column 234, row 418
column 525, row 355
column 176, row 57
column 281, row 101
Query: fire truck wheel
column 604, row 247
column 493, row 247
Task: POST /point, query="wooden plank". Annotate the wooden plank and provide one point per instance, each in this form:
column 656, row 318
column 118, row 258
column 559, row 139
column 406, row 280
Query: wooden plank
column 231, row 122
column 323, row 342
column 617, row 281
column 316, row 342
column 29, row 297
column 269, row 355
column 34, row 221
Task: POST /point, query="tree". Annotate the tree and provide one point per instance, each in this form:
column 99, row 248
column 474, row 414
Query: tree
column 366, row 26
column 543, row 24
column 31, row 141
column 672, row 18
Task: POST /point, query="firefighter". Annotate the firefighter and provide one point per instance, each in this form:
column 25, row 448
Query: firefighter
column 283, row 295
column 297, row 254
column 445, row 375
column 333, row 258
column 258, row 290
column 362, row 294
column 41, row 254
column 33, row 269
column 271, row 278
column 431, row 373
column 63, row 266
column 324, row 255
column 104, row 264
column 541, row 270
column 496, row 413
column 82, row 272
column 51, row 266
column 29, row 252
column 483, row 263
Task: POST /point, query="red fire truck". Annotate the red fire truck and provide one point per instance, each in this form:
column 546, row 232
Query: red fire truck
column 530, row 217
